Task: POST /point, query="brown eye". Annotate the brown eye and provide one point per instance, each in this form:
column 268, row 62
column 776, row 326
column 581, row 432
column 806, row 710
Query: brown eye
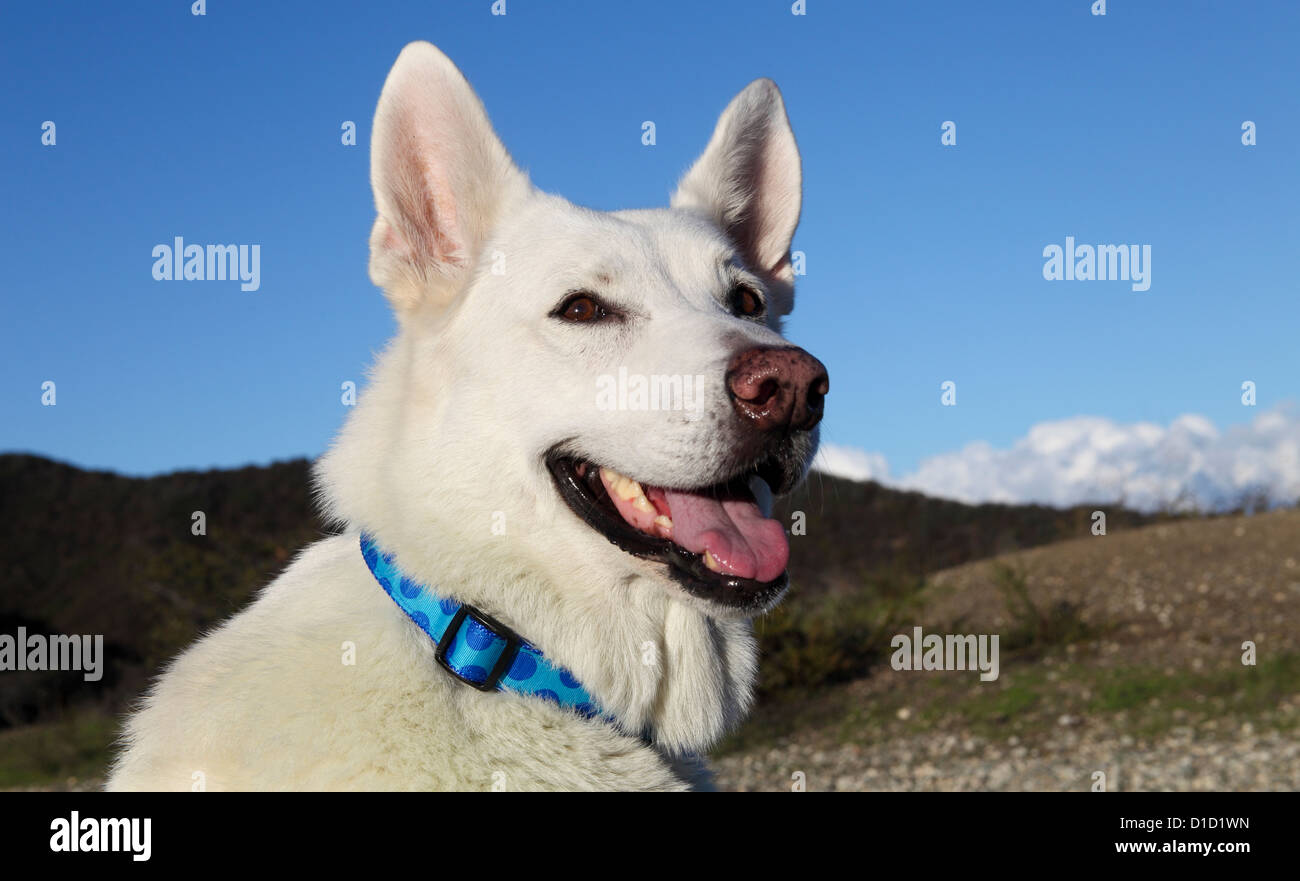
column 745, row 302
column 581, row 307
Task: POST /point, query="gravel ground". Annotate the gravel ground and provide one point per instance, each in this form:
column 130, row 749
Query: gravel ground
column 1178, row 761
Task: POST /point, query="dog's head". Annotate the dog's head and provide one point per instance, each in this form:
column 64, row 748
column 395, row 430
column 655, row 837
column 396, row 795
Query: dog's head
column 595, row 392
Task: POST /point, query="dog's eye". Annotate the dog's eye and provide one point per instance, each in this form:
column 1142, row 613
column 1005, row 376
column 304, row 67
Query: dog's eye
column 745, row 302
column 581, row 308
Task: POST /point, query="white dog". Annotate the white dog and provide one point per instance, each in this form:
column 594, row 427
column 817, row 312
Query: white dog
column 552, row 541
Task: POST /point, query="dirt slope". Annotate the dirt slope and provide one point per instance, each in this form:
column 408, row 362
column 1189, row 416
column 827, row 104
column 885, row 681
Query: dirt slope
column 1120, row 654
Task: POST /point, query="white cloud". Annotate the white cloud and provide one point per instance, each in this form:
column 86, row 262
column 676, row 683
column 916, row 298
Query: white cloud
column 1091, row 459
column 852, row 463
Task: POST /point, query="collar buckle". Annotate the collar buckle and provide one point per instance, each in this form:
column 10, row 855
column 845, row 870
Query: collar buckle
column 494, row 627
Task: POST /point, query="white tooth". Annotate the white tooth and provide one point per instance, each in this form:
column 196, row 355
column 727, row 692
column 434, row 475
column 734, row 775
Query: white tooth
column 711, row 562
column 625, row 488
column 663, row 521
column 642, row 504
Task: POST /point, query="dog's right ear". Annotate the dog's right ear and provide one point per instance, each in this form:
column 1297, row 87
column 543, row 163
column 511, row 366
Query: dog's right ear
column 440, row 176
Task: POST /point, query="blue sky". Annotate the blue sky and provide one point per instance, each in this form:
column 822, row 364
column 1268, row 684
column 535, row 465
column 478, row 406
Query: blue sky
column 924, row 262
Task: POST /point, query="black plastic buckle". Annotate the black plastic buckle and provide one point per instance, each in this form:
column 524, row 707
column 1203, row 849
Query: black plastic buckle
column 513, row 641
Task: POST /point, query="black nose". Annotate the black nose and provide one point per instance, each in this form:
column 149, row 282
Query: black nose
column 778, row 388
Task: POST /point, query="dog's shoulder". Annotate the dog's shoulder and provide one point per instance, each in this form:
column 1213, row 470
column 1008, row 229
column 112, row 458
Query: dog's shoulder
column 314, row 635
column 323, row 683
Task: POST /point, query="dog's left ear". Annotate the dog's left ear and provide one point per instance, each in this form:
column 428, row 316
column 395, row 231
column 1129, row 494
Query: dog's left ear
column 749, row 182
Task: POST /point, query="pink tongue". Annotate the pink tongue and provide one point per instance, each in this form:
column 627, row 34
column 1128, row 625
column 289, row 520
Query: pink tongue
column 740, row 538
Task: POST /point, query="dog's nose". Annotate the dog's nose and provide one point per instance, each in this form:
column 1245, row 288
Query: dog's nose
column 778, row 388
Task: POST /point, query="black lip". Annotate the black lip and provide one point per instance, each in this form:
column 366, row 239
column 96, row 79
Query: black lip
column 684, row 567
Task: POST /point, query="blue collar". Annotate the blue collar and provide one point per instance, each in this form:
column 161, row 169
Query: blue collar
column 475, row 649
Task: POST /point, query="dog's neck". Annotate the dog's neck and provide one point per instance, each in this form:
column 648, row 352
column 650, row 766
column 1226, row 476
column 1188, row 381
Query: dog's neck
column 656, row 664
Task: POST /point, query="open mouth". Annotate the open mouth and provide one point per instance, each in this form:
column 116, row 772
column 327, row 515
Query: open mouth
column 715, row 541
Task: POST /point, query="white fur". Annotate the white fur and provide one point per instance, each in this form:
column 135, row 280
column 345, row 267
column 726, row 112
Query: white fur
column 449, row 438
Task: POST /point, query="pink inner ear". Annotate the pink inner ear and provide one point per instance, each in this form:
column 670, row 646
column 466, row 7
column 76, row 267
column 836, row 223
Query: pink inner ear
column 426, row 205
column 444, row 236
column 420, row 198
